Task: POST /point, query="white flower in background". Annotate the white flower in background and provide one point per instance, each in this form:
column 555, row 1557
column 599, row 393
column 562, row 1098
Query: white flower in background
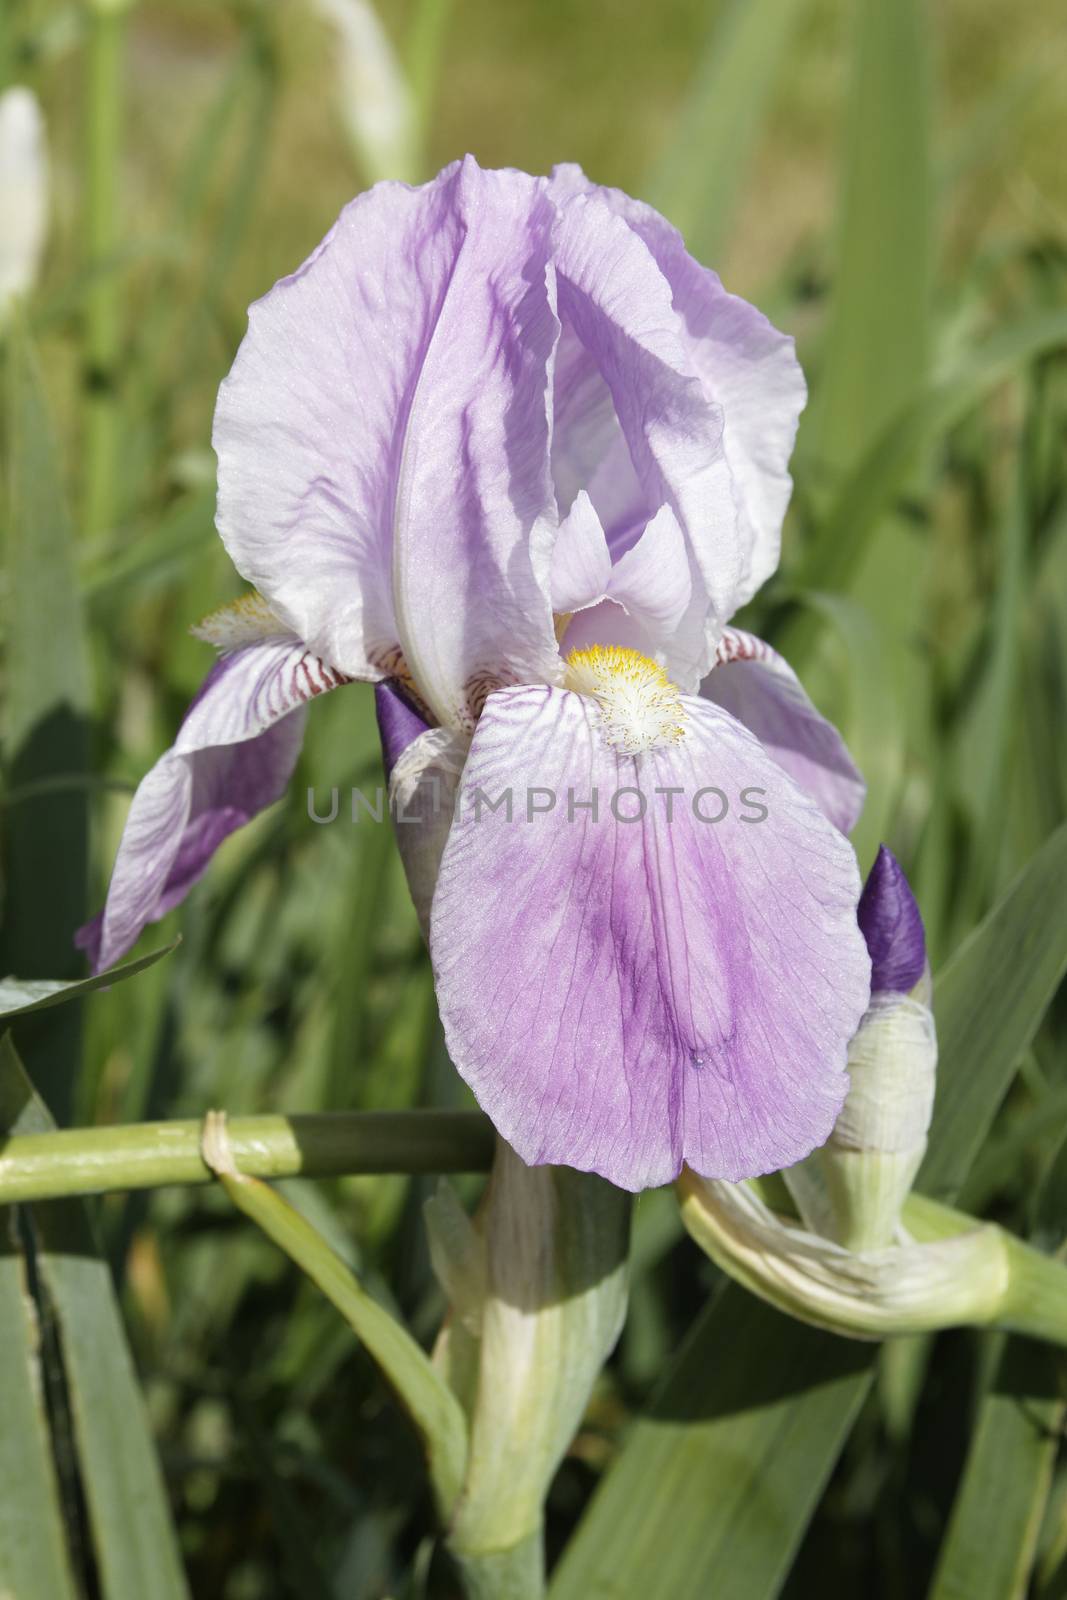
column 23, row 193
column 375, row 99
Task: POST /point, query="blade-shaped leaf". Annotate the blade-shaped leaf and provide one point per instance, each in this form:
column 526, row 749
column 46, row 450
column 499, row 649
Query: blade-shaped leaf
column 882, row 471
column 46, row 732
column 21, row 995
column 871, row 720
column 1005, row 1482
column 1012, row 1454
column 877, row 343
column 717, row 1482
column 133, row 1536
column 989, row 1000
column 33, row 1550
column 701, row 176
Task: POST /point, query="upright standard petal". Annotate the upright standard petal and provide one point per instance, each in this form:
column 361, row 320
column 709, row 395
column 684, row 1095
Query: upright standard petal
column 641, row 600
column 625, row 995
column 581, row 560
column 758, row 686
column 624, row 337
column 234, row 755
column 383, row 438
column 746, row 367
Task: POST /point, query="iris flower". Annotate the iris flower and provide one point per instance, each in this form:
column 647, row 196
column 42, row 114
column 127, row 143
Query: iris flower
column 503, row 448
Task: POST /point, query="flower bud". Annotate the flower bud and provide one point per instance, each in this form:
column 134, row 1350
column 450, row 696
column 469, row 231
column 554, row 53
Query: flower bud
column 537, row 1284
column 852, row 1190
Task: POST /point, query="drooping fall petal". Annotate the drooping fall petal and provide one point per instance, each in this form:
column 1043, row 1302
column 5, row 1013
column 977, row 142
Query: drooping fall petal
column 757, row 686
column 234, row 755
column 622, row 996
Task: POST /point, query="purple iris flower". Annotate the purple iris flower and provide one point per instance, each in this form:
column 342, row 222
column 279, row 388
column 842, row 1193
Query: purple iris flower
column 502, row 445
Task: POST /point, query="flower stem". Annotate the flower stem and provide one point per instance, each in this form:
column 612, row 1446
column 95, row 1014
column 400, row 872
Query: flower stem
column 1034, row 1299
column 515, row 1574
column 951, row 1270
column 149, row 1155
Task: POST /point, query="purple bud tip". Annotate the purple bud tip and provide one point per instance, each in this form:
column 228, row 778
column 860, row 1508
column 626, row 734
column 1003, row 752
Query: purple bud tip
column 892, row 925
column 399, row 724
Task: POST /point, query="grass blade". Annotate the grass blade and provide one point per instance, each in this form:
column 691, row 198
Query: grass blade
column 723, row 1473
column 870, row 720
column 18, row 996
column 33, row 1552
column 1009, row 1468
column 46, row 732
column 989, row 1001
column 701, row 176
column 1006, row 1480
column 133, row 1537
column 877, row 344
column 883, row 470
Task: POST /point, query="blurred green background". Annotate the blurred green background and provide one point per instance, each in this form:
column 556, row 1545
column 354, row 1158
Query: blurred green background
column 886, row 179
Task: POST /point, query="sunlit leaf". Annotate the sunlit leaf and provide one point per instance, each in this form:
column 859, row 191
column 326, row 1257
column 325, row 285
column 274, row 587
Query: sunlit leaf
column 21, row 995
column 700, row 178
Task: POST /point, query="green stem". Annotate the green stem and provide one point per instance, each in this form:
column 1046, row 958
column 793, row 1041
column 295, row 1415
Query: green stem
column 148, row 1155
column 515, row 1574
column 107, row 28
column 955, row 1272
column 1034, row 1301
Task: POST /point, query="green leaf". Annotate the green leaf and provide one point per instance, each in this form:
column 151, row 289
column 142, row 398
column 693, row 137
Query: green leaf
column 423, row 53
column 156, row 555
column 984, row 736
column 877, row 343
column 46, row 839
column 433, row 1408
column 701, row 176
column 716, row 1484
column 33, row 1550
column 1006, row 1480
column 871, row 717
column 18, row 996
column 1012, row 1454
column 133, row 1536
column 884, row 467
column 989, row 1001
